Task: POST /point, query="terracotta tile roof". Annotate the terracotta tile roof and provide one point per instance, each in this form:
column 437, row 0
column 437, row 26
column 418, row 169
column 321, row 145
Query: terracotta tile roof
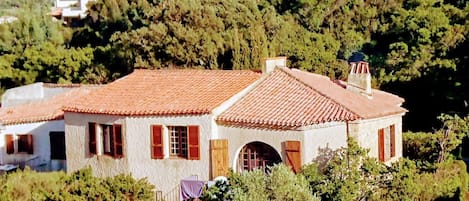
column 290, row 99
column 45, row 110
column 378, row 95
column 165, row 92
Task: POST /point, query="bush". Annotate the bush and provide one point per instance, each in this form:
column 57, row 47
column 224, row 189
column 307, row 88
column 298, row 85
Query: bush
column 80, row 185
column 280, row 183
column 352, row 175
column 30, row 185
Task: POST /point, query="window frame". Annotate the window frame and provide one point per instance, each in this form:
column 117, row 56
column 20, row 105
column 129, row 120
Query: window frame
column 162, row 146
column 182, row 146
column 19, row 144
column 108, row 144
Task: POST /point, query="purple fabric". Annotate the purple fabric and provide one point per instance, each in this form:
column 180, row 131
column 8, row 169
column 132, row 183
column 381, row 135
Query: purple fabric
column 191, row 189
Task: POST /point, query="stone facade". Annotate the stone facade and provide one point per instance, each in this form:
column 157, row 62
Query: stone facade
column 366, row 133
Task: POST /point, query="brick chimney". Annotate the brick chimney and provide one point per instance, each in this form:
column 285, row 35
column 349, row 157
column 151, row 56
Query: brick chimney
column 269, row 64
column 359, row 78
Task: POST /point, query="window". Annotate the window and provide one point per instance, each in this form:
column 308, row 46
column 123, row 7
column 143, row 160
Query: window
column 105, row 139
column 107, row 133
column 257, row 155
column 178, row 141
column 183, row 142
column 24, row 144
column 387, row 143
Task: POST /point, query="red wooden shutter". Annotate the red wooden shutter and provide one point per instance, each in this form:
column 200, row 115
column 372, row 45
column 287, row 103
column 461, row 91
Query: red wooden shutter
column 219, row 158
column 393, row 140
column 194, row 149
column 117, row 141
column 381, row 144
column 157, row 142
column 293, row 153
column 30, row 147
column 10, row 143
column 92, row 136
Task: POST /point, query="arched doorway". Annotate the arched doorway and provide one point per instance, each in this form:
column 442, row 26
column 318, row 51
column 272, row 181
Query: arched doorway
column 257, row 155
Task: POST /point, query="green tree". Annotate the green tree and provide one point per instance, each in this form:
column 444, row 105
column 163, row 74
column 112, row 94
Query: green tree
column 34, row 48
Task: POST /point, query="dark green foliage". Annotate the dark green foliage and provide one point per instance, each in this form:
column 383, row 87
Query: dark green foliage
column 417, row 49
column 436, row 147
column 81, row 185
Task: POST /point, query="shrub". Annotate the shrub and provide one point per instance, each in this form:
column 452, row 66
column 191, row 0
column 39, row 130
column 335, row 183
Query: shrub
column 80, row 185
column 279, row 183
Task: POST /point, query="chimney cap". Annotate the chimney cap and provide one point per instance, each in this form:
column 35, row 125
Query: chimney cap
column 357, row 57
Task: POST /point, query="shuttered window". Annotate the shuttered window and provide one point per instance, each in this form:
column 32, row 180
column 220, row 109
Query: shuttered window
column 157, row 142
column 111, row 139
column 92, row 138
column 24, row 144
column 183, row 142
column 386, row 143
column 10, row 144
column 293, row 154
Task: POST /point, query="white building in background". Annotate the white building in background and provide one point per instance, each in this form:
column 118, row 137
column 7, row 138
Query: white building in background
column 32, row 126
column 70, row 10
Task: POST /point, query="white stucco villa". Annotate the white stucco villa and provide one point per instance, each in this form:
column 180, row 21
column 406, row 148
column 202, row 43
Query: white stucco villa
column 32, row 126
column 69, row 11
column 167, row 125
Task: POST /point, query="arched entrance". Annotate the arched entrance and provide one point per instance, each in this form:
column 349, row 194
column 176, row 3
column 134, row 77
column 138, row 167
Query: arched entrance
column 257, row 155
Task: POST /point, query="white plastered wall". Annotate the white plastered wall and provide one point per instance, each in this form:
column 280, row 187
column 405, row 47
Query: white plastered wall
column 41, row 140
column 166, row 173
column 77, row 147
column 366, row 133
column 323, row 136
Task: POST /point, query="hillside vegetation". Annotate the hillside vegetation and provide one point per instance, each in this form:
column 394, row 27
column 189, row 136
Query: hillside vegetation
column 416, row 48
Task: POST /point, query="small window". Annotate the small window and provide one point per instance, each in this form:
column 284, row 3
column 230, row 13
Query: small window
column 25, row 144
column 178, row 141
column 386, row 143
column 106, row 139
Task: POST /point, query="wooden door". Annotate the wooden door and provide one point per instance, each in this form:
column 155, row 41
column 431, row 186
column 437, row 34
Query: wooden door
column 219, row 157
